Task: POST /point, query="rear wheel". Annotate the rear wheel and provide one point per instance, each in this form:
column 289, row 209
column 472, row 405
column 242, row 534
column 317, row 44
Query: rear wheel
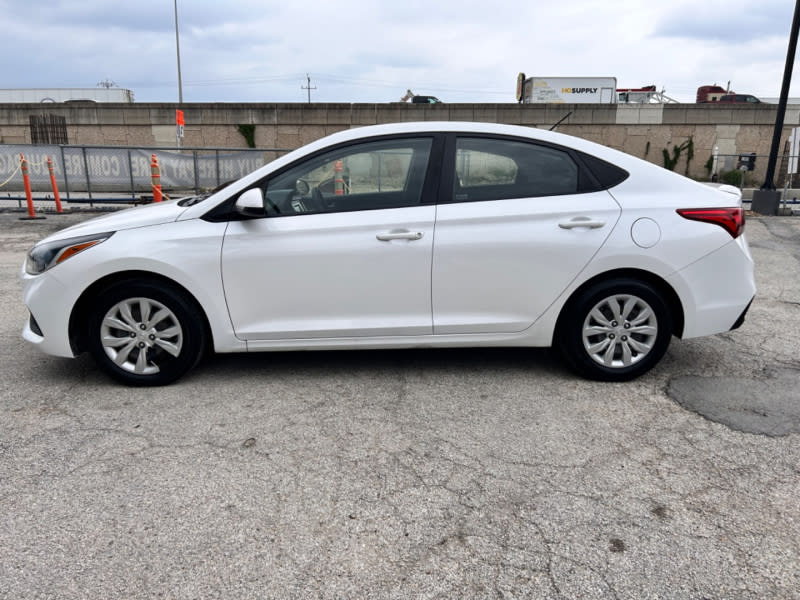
column 615, row 331
column 144, row 333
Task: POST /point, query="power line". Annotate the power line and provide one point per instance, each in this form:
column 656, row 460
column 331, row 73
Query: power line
column 360, row 82
column 222, row 81
column 246, row 80
column 415, row 84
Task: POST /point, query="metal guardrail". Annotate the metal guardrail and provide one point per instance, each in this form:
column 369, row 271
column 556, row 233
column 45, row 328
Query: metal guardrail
column 121, row 174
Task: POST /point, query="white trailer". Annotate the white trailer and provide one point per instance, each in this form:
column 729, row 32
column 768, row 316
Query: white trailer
column 569, row 90
column 43, row 95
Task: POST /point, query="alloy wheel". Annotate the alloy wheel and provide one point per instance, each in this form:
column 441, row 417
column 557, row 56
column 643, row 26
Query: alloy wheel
column 620, row 331
column 140, row 335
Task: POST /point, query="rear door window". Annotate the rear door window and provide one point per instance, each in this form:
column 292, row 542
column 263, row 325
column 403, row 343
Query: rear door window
column 494, row 169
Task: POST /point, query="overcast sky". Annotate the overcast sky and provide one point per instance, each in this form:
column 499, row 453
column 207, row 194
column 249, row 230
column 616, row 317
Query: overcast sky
column 360, row 51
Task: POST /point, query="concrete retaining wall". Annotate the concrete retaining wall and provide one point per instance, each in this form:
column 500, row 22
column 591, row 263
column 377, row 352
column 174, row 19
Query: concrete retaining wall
column 642, row 130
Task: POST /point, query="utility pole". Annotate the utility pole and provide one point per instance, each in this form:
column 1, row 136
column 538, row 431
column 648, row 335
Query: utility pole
column 309, row 88
column 766, row 200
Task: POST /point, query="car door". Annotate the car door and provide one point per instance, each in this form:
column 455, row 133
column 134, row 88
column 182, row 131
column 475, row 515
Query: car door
column 344, row 248
column 521, row 221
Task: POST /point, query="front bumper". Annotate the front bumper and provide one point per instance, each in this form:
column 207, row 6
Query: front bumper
column 49, row 302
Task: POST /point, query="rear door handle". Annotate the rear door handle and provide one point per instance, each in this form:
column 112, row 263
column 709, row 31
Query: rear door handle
column 581, row 222
column 399, row 235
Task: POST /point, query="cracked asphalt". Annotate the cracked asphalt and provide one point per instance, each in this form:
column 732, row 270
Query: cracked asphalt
column 410, row 474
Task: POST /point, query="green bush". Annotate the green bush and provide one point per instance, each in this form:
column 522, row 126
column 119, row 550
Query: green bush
column 671, row 161
column 731, row 177
column 248, row 133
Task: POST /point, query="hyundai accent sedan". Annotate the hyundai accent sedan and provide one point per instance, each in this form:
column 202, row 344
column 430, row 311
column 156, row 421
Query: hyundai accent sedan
column 400, row 236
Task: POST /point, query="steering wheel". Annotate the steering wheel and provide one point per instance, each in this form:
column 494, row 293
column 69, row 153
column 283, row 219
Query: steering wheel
column 319, row 200
column 271, row 206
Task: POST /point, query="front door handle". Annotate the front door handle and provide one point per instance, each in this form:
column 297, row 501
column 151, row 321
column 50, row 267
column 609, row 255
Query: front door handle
column 399, row 235
column 581, row 222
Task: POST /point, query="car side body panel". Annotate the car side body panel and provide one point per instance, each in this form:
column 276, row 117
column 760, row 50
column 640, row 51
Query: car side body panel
column 328, row 275
column 535, row 242
column 188, row 254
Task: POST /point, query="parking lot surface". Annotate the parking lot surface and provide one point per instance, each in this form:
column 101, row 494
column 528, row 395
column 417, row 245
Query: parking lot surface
column 491, row 473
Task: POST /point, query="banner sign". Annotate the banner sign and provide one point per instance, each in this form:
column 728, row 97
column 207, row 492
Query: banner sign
column 124, row 169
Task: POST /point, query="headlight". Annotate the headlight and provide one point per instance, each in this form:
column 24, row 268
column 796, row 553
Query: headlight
column 49, row 254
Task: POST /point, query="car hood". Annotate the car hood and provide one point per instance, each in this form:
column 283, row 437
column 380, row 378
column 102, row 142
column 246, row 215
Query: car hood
column 131, row 218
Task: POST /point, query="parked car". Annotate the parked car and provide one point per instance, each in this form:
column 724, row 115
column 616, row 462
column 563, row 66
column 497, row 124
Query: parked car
column 425, row 100
column 739, row 99
column 399, row 236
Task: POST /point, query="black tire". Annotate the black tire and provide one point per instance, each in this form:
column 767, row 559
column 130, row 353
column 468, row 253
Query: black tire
column 145, row 333
column 615, row 330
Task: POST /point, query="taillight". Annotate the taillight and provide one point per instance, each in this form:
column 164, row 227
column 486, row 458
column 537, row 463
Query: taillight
column 730, row 219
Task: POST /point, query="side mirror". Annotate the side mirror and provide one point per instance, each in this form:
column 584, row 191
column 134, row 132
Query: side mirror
column 301, row 187
column 250, row 203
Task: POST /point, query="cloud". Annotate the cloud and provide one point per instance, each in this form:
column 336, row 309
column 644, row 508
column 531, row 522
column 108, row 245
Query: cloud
column 367, row 51
column 732, row 22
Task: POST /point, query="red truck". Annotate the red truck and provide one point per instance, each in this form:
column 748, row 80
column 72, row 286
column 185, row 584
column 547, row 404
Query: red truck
column 715, row 93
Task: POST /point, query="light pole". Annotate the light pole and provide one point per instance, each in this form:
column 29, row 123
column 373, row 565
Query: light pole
column 765, row 200
column 178, row 50
column 179, row 113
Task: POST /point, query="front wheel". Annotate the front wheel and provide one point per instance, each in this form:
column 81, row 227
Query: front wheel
column 615, row 330
column 143, row 333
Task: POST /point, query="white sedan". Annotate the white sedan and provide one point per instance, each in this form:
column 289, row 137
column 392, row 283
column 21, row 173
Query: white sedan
column 398, row 236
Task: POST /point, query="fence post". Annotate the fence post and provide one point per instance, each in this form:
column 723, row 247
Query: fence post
column 196, row 174
column 130, row 172
column 86, row 170
column 64, row 164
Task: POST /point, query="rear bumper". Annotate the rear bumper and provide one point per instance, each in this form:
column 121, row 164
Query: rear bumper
column 716, row 290
column 740, row 320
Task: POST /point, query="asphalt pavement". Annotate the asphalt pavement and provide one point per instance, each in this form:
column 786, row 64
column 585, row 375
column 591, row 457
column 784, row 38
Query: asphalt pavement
column 489, row 473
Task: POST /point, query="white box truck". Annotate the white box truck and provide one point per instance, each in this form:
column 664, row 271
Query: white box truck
column 44, row 95
column 569, row 90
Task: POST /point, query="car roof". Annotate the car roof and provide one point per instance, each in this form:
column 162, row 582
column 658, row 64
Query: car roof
column 467, row 127
column 626, row 161
column 416, row 127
